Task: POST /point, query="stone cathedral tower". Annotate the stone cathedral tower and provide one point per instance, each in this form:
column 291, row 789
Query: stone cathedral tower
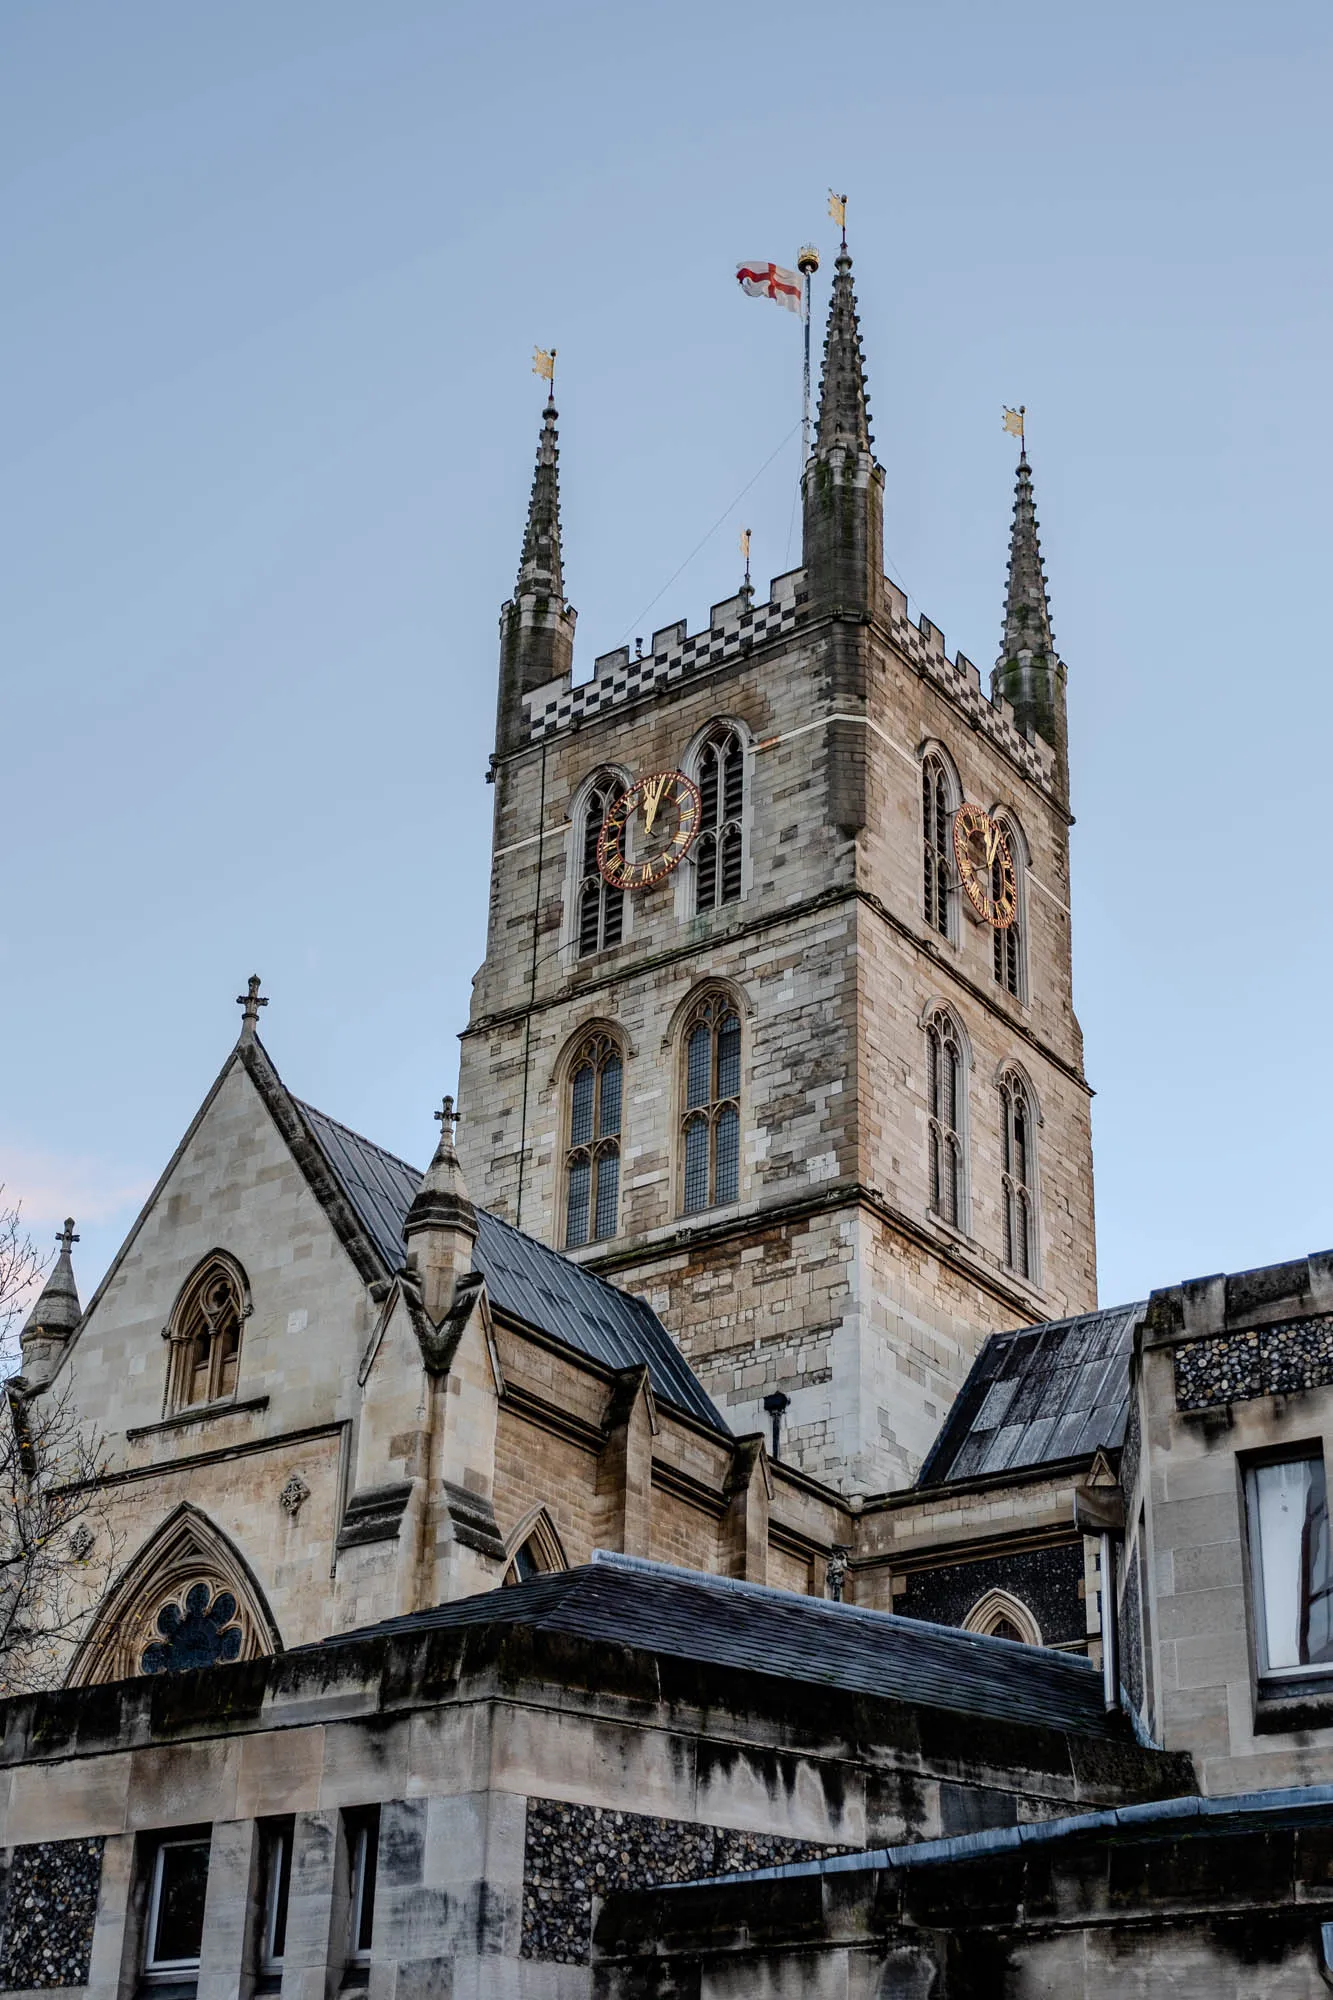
column 800, row 1093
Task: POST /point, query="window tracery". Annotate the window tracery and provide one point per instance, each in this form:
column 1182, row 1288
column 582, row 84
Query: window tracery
column 201, row 1630
column 205, row 1334
column 937, row 808
column 601, row 908
column 946, row 1084
column 1017, row 1176
column 720, row 844
column 592, row 1156
column 1000, row 1615
column 711, row 1117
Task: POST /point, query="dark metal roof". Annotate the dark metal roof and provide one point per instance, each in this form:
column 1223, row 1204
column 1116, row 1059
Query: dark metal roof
column 525, row 1279
column 688, row 1616
column 1038, row 1394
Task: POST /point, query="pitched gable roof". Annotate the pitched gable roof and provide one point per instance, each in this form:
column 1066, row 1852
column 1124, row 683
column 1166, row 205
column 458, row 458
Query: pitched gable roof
column 687, row 1615
column 527, row 1281
column 1038, row 1395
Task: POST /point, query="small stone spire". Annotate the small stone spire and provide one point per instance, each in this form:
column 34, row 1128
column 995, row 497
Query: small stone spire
column 540, row 567
column 842, row 486
column 844, row 405
column 441, row 1226
column 536, row 625
column 55, row 1315
column 1029, row 673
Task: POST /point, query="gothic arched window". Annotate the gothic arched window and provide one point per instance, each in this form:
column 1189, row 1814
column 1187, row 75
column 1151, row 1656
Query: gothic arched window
column 1011, row 945
column 205, row 1334
column 711, row 1113
column 592, row 1155
column 1018, row 1178
column 1001, row 1615
column 717, row 853
column 937, row 803
column 946, row 1098
column 601, row 908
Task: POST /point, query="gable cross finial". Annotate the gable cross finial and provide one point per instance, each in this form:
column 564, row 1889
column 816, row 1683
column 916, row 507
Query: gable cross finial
column 250, row 1003
column 65, row 1237
column 446, row 1117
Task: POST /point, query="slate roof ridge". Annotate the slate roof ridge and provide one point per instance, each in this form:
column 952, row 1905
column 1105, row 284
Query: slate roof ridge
column 782, row 1635
column 870, row 1615
column 529, row 1282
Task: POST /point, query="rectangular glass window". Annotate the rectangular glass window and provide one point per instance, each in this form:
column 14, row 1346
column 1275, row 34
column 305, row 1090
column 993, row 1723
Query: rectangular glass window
column 176, row 1893
column 277, row 1890
column 1289, row 1546
column 363, row 1841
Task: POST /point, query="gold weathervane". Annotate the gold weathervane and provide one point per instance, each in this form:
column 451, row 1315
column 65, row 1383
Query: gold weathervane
column 1013, row 421
column 543, row 364
column 837, row 208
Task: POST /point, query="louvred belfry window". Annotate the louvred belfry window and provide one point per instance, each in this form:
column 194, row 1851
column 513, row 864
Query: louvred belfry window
column 1017, row 1177
column 1009, row 943
column 718, row 852
column 945, row 1085
column 592, row 1157
column 936, row 840
column 601, row 908
column 712, row 1117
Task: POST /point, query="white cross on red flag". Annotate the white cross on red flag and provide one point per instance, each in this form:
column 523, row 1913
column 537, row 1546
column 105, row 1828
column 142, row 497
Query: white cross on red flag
column 770, row 281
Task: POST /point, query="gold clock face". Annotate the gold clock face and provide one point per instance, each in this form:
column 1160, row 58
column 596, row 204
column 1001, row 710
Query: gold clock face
column 649, row 830
column 985, row 866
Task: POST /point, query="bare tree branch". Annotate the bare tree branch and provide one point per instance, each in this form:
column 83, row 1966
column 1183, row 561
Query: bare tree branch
column 57, row 1546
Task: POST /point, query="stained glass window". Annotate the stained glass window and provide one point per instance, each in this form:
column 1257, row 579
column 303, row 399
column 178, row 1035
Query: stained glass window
column 712, row 1123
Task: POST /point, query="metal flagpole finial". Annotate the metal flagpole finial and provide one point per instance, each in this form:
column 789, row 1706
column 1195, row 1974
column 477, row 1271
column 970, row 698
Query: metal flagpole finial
column 543, row 364
column 250, row 1003
column 837, row 208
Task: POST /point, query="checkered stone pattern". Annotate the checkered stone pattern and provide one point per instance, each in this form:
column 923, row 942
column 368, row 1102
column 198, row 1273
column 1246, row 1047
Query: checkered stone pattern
column 923, row 648
column 1264, row 1361
column 617, row 679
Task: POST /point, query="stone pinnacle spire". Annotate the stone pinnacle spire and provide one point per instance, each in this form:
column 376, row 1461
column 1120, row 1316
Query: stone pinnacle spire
column 844, row 406
column 536, row 625
column 1029, row 673
column 540, row 568
column 440, row 1228
column 842, row 487
column 55, row 1315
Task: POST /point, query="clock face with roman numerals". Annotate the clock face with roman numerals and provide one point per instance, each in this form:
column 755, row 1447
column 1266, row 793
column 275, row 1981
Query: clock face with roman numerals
column 985, row 866
column 649, row 830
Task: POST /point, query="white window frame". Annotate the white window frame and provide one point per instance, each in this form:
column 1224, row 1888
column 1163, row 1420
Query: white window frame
column 277, row 1864
column 163, row 1968
column 365, row 1826
column 1302, row 1669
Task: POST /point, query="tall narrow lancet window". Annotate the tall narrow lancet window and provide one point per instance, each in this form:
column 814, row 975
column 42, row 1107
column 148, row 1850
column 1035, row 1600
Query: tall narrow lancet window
column 946, row 1085
column 592, row 1158
column 936, row 839
column 1010, row 944
column 205, row 1334
column 1017, row 1180
column 601, row 908
column 711, row 1119
column 717, row 866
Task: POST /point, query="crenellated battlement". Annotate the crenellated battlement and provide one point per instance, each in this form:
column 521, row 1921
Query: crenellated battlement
column 735, row 627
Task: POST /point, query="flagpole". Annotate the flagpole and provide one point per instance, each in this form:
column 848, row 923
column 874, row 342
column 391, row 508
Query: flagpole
column 807, row 263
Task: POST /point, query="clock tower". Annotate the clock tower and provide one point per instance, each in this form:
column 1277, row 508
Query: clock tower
column 775, row 1025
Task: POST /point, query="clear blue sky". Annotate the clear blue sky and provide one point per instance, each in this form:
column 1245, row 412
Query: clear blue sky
column 273, row 275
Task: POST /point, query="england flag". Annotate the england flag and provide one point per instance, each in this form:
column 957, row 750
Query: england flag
column 770, row 281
